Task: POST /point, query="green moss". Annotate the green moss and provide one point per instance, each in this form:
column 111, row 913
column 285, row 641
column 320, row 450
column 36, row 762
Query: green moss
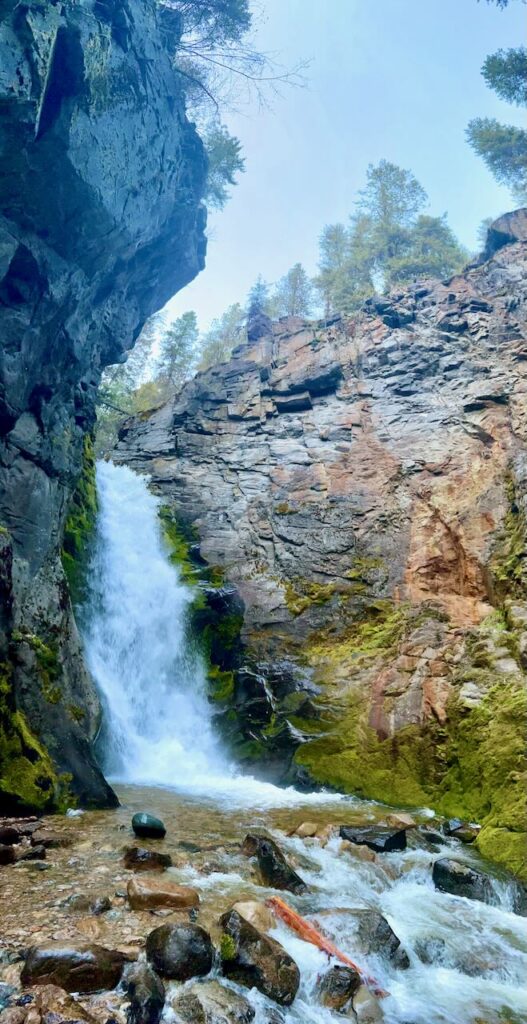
column 221, row 684
column 76, row 713
column 227, row 947
column 283, row 509
column 509, row 561
column 28, row 780
column 302, row 594
column 179, row 539
column 80, row 523
column 48, row 664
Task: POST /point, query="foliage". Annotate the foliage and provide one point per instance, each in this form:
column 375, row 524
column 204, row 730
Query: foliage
column 259, row 298
column 506, row 72
column 177, row 352
column 225, row 161
column 503, row 147
column 389, row 240
column 293, row 295
column 223, row 335
column 80, row 522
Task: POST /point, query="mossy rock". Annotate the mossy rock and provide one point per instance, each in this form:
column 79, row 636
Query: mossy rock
column 80, row 523
column 28, row 780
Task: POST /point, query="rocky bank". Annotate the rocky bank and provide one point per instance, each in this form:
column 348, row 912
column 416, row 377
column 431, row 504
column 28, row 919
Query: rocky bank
column 350, row 498
column 101, row 177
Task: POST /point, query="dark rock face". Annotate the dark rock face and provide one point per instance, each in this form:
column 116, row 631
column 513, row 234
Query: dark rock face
column 180, row 951
column 459, row 880
column 146, row 993
column 75, row 968
column 378, row 839
column 253, row 959
column 273, row 866
column 101, row 177
column 512, row 227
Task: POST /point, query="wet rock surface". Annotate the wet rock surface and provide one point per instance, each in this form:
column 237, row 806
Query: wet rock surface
column 338, row 986
column 75, row 968
column 253, row 959
column 147, row 826
column 377, row 839
column 146, row 993
column 180, row 951
column 211, row 1003
column 147, row 893
column 137, row 858
column 459, row 879
column 273, row 866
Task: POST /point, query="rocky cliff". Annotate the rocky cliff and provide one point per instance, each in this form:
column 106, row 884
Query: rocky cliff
column 101, row 177
column 361, row 487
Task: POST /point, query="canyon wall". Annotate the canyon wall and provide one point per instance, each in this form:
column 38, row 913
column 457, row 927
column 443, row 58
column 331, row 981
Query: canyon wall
column 352, row 497
column 101, row 178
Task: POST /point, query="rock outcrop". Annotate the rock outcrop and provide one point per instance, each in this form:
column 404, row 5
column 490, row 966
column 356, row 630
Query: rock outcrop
column 101, row 177
column 361, row 485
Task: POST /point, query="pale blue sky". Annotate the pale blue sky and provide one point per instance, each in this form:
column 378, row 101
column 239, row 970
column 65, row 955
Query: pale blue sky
column 398, row 79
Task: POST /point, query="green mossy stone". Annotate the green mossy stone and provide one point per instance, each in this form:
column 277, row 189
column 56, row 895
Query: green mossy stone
column 146, row 826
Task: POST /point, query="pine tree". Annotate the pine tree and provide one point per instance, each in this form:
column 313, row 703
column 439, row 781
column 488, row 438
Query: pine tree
column 293, row 295
column 503, row 147
column 178, row 351
column 224, row 334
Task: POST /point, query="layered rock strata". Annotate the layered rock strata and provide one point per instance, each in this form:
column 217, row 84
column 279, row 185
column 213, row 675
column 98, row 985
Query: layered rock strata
column 361, row 485
column 101, row 177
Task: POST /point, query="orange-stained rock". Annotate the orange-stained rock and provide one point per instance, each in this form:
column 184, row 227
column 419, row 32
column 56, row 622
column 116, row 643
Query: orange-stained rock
column 152, row 893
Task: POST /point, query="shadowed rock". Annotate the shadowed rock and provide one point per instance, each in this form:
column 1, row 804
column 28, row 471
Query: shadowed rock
column 180, row 951
column 253, row 959
column 74, row 967
column 274, row 868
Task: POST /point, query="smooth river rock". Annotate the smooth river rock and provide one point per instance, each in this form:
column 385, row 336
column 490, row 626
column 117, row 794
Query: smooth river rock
column 380, row 840
column 338, row 986
column 146, row 993
column 208, row 1002
column 75, row 967
column 276, row 872
column 146, row 826
column 180, row 951
column 137, row 858
column 151, row 893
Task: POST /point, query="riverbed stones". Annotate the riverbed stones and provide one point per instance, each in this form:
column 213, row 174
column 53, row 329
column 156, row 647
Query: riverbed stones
column 253, row 959
column 151, row 893
column 209, row 1002
column 274, row 869
column 9, row 835
column 75, row 967
column 306, row 830
column 146, row 826
column 180, row 951
column 366, row 1007
column 462, row 830
column 138, row 858
column 459, row 879
column 338, row 986
column 400, row 820
column 380, row 840
column 256, row 914
column 7, row 855
column 146, row 993
column 50, row 839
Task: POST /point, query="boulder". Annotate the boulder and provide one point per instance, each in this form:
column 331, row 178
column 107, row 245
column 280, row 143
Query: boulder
column 256, row 914
column 101, row 905
column 274, row 868
column 253, row 959
column 356, row 850
column 7, row 855
column 25, row 852
column 379, row 839
column 146, row 993
column 137, row 858
column 49, row 839
column 75, row 967
column 338, row 986
column 306, row 830
column 54, row 1004
column 462, row 830
column 154, row 893
column 9, row 835
column 366, row 1007
column 209, row 1002
column 459, row 880
column 180, row 951
column 400, row 820
column 378, row 937
column 146, row 826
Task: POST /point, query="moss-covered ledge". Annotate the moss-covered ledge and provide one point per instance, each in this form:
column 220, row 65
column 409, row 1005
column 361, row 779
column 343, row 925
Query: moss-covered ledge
column 472, row 765
column 80, row 523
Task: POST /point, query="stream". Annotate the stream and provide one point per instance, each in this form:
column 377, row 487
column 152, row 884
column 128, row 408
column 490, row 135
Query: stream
column 468, row 959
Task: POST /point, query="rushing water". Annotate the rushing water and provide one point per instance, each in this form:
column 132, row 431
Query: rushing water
column 468, row 960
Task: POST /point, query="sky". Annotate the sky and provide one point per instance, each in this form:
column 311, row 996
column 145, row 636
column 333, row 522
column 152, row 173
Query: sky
column 393, row 79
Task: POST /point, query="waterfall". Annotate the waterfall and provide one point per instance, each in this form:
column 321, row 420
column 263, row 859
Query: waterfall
column 158, row 722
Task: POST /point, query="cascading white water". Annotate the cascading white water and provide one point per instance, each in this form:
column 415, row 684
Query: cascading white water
column 153, row 683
